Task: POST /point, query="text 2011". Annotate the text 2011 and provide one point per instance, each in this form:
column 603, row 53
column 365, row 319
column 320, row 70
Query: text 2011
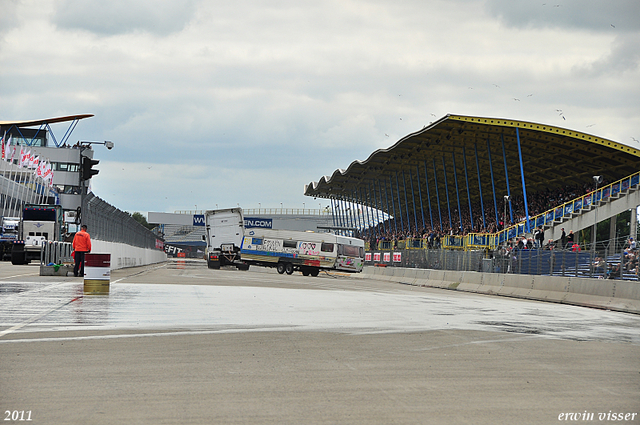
column 17, row 415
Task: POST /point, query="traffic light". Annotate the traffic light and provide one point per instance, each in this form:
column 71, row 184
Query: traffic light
column 87, row 171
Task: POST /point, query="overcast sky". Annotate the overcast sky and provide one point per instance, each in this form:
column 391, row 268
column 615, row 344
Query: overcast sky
column 219, row 103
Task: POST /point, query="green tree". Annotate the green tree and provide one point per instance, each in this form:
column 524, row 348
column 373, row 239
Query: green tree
column 142, row 220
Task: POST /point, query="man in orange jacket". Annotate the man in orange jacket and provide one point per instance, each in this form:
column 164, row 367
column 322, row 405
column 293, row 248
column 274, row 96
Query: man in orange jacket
column 81, row 245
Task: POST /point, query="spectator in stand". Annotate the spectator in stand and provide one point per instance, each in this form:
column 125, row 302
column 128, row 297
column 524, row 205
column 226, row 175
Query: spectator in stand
column 570, row 239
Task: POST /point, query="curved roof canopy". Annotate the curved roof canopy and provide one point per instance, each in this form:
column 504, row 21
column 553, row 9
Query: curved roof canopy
column 44, row 121
column 463, row 149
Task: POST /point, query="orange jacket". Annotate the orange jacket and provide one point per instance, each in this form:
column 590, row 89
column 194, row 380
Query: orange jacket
column 82, row 242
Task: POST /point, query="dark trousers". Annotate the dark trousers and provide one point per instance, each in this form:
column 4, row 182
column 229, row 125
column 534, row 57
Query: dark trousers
column 78, row 268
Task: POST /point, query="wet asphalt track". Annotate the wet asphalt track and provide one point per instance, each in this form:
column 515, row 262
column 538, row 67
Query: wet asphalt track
column 178, row 343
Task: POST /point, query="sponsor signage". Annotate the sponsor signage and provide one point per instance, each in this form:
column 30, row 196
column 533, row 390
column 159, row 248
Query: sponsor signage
column 253, row 222
column 198, row 219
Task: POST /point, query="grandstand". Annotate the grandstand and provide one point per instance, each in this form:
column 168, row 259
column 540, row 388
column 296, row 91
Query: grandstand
column 479, row 183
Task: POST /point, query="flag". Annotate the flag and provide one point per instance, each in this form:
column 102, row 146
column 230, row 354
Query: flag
column 22, row 157
column 40, row 169
column 48, row 174
column 12, row 149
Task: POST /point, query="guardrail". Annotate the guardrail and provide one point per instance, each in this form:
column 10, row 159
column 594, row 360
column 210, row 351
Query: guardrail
column 54, row 252
column 569, row 209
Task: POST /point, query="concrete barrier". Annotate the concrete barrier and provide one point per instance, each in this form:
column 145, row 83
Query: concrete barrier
column 616, row 295
column 123, row 255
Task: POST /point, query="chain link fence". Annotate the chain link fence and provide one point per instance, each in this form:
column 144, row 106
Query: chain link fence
column 556, row 262
column 107, row 223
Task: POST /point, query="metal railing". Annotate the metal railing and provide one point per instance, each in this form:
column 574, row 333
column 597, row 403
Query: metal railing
column 569, row 209
column 54, row 252
column 612, row 260
column 107, row 223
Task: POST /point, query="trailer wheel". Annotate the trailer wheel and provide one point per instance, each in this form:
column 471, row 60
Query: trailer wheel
column 280, row 268
column 315, row 272
column 288, row 268
column 305, row 272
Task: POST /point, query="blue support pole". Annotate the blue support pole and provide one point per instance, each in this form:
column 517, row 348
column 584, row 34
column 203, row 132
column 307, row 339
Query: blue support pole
column 393, row 204
column 413, row 197
column 375, row 203
column 364, row 199
column 493, row 185
column 466, row 177
column 360, row 215
column 333, row 213
column 435, row 176
column 372, row 202
column 506, row 176
column 356, row 216
column 455, row 177
column 340, row 214
column 426, row 180
column 424, row 226
column 386, row 197
column 484, row 223
column 354, row 222
column 381, row 206
column 524, row 187
column 399, row 203
column 446, row 186
column 406, row 202
column 345, row 217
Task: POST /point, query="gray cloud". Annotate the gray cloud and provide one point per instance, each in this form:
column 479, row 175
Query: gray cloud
column 277, row 94
column 592, row 15
column 8, row 16
column 161, row 17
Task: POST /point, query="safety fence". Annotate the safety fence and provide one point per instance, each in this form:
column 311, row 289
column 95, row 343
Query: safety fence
column 54, row 252
column 107, row 223
column 555, row 262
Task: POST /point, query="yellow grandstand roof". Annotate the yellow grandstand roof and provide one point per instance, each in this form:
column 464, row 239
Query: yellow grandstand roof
column 552, row 157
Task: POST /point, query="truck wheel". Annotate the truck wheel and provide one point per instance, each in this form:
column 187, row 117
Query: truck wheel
column 288, row 268
column 213, row 265
column 280, row 268
column 315, row 272
column 17, row 258
column 243, row 267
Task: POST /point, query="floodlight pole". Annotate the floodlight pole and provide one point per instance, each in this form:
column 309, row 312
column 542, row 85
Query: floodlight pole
column 596, row 179
column 84, row 144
